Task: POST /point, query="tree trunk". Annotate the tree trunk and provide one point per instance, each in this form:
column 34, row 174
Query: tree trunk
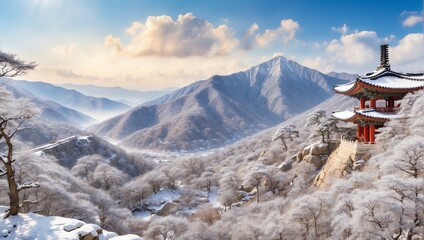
column 285, row 145
column 257, row 193
column 13, row 187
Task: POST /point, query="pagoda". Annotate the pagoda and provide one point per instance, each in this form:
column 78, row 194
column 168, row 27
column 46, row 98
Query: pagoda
column 378, row 93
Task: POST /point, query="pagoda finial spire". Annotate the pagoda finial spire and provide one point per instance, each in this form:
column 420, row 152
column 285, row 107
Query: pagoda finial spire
column 384, row 57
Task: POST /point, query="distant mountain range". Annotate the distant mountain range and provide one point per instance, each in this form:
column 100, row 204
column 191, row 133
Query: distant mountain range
column 98, row 108
column 130, row 97
column 51, row 111
column 222, row 109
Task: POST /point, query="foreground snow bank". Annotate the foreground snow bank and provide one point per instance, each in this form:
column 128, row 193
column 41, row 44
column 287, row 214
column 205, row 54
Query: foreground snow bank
column 37, row 227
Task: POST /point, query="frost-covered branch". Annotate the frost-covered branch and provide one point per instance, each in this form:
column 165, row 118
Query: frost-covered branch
column 286, row 133
column 28, row 185
column 323, row 126
column 11, row 66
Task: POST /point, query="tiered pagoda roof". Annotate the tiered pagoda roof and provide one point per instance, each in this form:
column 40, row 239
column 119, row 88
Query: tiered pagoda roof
column 368, row 114
column 382, row 81
column 381, row 85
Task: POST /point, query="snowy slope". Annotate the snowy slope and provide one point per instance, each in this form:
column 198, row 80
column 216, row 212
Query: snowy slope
column 99, row 108
column 222, row 109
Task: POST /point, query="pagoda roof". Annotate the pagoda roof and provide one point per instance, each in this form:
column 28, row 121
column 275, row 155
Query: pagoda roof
column 367, row 114
column 383, row 80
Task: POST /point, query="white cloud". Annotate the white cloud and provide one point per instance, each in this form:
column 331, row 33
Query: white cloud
column 252, row 30
column 359, row 53
column 286, row 32
column 69, row 73
column 186, row 36
column 113, row 42
column 65, row 50
column 412, row 20
column 409, row 53
column 343, row 29
column 318, row 63
column 358, row 48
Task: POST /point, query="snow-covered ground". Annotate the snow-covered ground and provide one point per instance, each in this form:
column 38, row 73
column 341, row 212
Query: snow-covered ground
column 37, row 227
column 165, row 156
column 156, row 202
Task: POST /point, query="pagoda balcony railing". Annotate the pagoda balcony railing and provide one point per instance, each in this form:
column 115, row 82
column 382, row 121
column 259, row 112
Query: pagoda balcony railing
column 381, row 109
column 385, row 109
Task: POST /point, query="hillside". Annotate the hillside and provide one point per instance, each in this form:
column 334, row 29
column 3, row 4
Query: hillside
column 98, row 108
column 68, row 150
column 51, row 111
column 222, row 109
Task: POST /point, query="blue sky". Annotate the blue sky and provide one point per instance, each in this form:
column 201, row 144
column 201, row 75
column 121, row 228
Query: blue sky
column 156, row 44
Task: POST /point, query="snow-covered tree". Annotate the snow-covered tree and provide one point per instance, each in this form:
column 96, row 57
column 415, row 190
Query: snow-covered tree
column 85, row 166
column 207, row 179
column 167, row 228
column 323, row 126
column 316, row 118
column 229, row 189
column 198, row 230
column 106, row 177
column 133, row 193
column 285, row 133
column 13, row 113
column 156, row 180
column 207, row 214
column 172, row 174
column 256, row 176
column 309, row 215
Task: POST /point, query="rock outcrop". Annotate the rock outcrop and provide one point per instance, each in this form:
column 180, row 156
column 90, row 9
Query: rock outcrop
column 347, row 157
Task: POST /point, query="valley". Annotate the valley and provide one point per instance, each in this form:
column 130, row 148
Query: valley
column 193, row 120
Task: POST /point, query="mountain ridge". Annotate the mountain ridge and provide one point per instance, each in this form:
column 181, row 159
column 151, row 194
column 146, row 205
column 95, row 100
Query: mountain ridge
column 99, row 108
column 127, row 96
column 222, row 109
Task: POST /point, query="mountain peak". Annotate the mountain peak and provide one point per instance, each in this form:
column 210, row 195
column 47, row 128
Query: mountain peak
column 222, row 109
column 279, row 63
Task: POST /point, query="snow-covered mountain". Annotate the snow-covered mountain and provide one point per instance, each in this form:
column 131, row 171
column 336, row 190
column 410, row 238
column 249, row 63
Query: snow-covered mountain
column 98, row 108
column 129, row 97
column 222, row 109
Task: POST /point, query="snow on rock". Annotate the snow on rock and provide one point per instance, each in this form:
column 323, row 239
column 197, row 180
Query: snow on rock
column 37, row 227
column 86, row 229
column 84, row 141
column 127, row 237
column 73, row 225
